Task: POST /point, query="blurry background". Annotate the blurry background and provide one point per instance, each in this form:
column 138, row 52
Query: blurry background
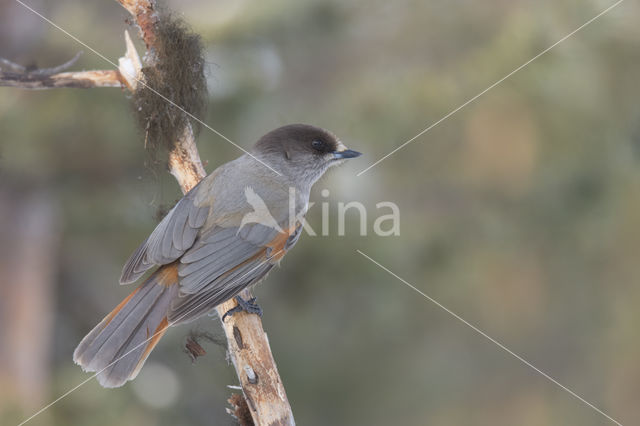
column 521, row 212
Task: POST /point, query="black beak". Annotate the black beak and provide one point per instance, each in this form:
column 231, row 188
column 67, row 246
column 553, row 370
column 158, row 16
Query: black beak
column 347, row 153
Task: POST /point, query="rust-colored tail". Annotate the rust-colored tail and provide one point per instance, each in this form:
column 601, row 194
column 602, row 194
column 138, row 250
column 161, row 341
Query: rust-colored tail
column 117, row 347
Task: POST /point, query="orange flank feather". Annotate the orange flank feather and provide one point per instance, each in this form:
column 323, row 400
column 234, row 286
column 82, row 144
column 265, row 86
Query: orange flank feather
column 168, row 274
column 279, row 243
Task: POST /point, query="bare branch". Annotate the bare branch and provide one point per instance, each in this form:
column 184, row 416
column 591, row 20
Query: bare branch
column 59, row 68
column 250, row 353
column 145, row 14
column 78, row 79
column 184, row 161
column 48, row 78
column 13, row 66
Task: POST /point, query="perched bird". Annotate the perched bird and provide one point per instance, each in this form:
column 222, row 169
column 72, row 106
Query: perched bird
column 212, row 245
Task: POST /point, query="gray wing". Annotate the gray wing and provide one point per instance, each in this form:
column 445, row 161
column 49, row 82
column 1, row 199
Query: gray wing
column 223, row 263
column 173, row 236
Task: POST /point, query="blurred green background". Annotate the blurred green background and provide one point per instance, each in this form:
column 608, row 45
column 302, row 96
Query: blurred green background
column 521, row 212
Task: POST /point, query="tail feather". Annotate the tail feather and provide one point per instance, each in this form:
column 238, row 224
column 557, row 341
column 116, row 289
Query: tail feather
column 118, row 346
column 134, row 352
column 101, row 342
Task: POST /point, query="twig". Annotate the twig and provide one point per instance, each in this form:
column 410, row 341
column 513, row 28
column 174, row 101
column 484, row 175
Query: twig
column 49, row 78
column 12, row 65
column 55, row 70
column 78, row 79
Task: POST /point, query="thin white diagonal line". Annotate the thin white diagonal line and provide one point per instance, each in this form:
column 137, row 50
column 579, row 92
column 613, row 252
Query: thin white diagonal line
column 491, row 339
column 140, row 81
column 73, row 389
column 490, row 87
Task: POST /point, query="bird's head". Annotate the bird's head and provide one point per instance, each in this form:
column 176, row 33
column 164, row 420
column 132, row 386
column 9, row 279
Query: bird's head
column 302, row 152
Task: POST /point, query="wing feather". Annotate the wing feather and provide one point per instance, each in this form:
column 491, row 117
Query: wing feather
column 179, row 224
column 216, row 264
column 173, row 236
column 196, row 275
column 224, row 262
column 192, row 306
column 204, row 247
column 197, row 217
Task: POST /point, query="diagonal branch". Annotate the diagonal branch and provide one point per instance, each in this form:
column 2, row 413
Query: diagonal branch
column 248, row 345
column 15, row 75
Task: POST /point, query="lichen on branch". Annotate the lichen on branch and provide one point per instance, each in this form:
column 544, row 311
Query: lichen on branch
column 175, row 73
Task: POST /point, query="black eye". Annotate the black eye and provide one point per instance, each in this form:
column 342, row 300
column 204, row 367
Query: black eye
column 320, row 145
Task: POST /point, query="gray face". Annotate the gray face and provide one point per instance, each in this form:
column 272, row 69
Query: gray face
column 302, row 152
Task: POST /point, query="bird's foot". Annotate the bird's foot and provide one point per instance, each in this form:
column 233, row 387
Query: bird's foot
column 249, row 306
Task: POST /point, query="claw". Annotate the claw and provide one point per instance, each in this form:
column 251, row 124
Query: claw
column 249, row 306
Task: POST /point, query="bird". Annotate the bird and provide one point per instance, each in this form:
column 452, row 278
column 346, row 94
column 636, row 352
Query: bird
column 214, row 243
